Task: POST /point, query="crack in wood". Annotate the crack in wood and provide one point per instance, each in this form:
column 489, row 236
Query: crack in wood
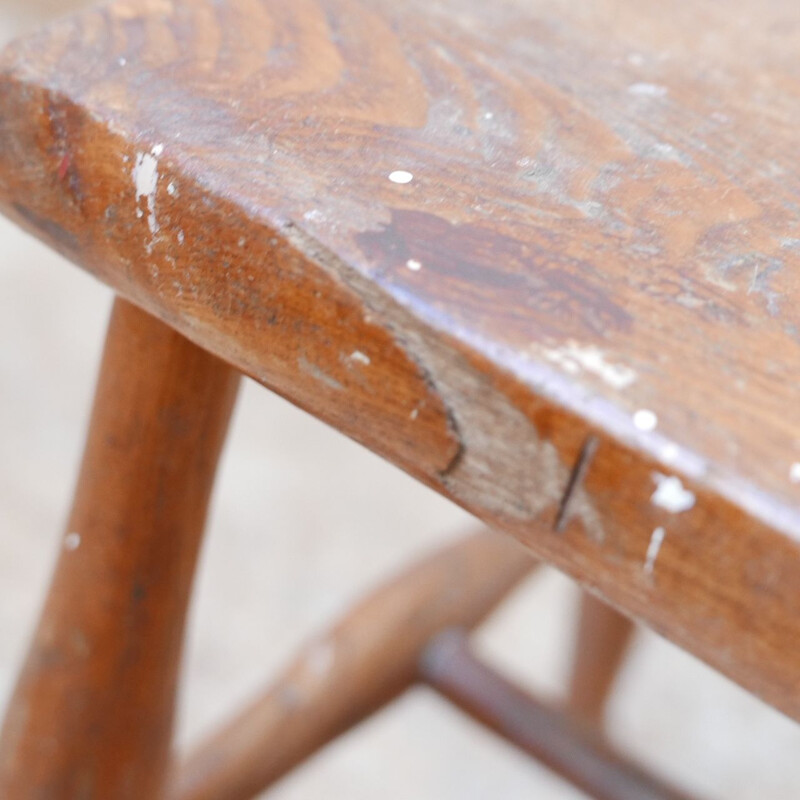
column 576, row 477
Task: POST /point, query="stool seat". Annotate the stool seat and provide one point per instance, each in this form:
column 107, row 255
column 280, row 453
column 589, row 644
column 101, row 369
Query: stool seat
column 543, row 256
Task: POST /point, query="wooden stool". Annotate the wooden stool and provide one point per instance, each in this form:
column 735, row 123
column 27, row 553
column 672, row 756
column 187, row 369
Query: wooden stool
column 538, row 256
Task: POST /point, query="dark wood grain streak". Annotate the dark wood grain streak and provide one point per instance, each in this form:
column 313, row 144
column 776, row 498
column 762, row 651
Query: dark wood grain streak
column 602, row 219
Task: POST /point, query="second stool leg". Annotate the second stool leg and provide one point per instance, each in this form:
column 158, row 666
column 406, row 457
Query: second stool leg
column 91, row 716
column 363, row 662
column 601, row 642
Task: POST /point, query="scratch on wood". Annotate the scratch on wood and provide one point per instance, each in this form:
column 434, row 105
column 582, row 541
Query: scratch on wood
column 575, row 480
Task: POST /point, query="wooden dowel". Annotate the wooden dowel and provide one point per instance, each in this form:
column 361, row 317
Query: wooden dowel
column 574, row 751
column 601, row 641
column 92, row 714
column 365, row 661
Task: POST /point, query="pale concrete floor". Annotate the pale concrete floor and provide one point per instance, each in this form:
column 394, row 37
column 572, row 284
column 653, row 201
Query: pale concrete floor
column 302, row 522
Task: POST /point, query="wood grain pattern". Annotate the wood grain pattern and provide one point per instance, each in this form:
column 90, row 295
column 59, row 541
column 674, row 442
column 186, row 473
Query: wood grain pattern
column 601, row 220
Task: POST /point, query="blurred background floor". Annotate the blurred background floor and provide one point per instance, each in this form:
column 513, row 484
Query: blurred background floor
column 292, row 491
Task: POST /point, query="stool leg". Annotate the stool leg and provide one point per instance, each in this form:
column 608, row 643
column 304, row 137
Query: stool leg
column 601, row 642
column 362, row 663
column 92, row 714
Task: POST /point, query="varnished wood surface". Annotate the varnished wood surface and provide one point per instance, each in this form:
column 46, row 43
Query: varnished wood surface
column 92, row 714
column 602, row 220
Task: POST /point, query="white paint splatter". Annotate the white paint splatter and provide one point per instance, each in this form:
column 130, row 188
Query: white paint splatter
column 656, row 541
column 413, row 265
column 181, row 237
column 171, row 189
column 647, row 90
column 670, row 494
column 122, row 61
column 414, row 414
column 320, row 658
column 794, row 472
column 572, row 357
column 488, row 115
column 665, row 151
column 145, row 178
column 315, row 372
column 645, row 420
column 362, row 358
column 400, row 176
column 72, row 541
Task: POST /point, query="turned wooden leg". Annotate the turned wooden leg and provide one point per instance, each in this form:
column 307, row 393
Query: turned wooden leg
column 366, row 660
column 601, row 642
column 91, row 717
